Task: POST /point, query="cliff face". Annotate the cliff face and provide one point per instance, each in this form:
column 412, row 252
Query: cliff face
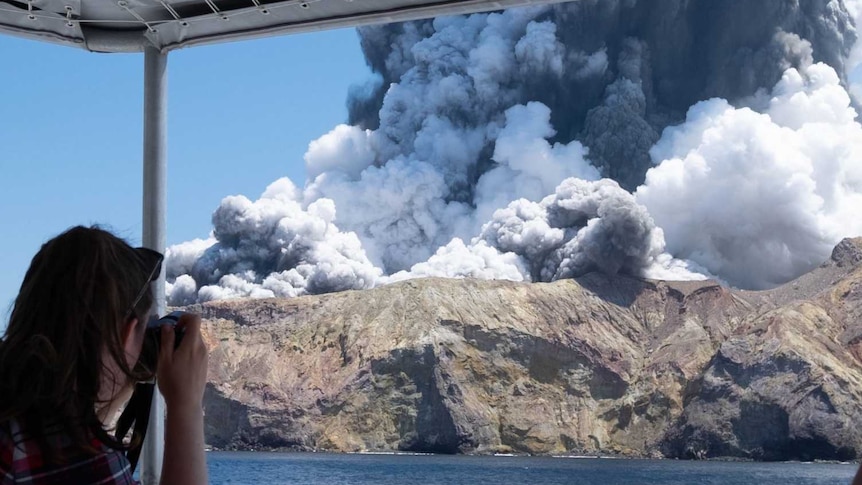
column 787, row 383
column 597, row 364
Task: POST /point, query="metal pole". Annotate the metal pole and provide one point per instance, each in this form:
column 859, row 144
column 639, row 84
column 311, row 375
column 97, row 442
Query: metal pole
column 154, row 228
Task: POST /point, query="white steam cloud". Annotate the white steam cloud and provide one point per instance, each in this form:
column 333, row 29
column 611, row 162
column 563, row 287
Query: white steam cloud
column 486, row 147
column 760, row 198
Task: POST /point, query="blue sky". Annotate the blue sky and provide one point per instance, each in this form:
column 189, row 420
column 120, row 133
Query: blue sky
column 240, row 116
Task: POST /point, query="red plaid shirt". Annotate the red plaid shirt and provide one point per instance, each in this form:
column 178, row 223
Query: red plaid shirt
column 22, row 461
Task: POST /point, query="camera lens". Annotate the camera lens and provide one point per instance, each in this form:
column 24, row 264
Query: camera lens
column 152, row 339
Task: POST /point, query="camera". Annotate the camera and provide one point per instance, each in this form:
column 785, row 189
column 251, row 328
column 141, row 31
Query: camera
column 153, row 338
column 154, row 327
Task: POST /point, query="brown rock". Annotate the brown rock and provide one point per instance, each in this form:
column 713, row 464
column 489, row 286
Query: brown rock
column 601, row 364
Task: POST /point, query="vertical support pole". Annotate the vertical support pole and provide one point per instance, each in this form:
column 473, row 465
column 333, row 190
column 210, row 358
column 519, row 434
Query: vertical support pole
column 155, row 228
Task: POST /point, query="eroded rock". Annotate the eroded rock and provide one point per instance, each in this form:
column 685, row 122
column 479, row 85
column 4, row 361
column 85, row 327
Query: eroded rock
column 594, row 365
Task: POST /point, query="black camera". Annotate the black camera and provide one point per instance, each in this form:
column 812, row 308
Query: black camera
column 154, row 327
column 153, row 338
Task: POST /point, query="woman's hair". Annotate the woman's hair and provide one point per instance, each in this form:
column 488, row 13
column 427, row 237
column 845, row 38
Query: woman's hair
column 75, row 299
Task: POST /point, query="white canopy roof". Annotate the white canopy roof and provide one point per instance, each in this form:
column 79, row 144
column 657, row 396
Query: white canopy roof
column 129, row 25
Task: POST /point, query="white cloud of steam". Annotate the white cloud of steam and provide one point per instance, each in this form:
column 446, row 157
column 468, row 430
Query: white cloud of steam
column 398, row 209
column 457, row 260
column 528, row 167
column 760, row 198
column 181, row 258
column 234, row 286
column 345, row 149
column 182, row 291
column 471, row 122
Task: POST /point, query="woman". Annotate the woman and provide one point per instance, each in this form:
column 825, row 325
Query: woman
column 69, row 361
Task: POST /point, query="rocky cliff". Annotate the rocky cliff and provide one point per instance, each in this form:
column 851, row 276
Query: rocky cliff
column 599, row 364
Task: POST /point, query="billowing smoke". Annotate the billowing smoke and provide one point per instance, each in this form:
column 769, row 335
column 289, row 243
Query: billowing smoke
column 658, row 138
column 613, row 72
column 582, row 227
column 270, row 247
column 761, row 197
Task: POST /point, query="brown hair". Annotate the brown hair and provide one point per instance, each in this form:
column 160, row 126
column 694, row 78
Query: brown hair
column 75, row 298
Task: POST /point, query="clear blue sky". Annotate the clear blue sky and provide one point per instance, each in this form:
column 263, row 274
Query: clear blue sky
column 240, row 115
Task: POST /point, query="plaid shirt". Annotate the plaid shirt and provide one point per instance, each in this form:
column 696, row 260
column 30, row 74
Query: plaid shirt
column 22, row 461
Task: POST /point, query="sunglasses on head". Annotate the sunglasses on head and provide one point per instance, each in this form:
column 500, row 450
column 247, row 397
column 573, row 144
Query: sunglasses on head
column 137, row 411
column 151, row 261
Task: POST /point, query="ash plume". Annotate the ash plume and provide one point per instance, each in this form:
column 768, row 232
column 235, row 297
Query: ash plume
column 546, row 142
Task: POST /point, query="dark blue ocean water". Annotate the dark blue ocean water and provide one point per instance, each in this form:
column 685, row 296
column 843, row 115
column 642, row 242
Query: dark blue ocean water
column 332, row 469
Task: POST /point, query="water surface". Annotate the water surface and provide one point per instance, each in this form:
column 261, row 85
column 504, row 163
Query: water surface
column 337, row 469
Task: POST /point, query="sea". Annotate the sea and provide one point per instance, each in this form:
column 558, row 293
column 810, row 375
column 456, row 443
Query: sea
column 264, row 468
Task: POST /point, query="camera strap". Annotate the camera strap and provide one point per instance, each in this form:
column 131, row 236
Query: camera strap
column 137, row 413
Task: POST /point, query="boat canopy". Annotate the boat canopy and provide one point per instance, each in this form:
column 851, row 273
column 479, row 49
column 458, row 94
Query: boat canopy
column 133, row 25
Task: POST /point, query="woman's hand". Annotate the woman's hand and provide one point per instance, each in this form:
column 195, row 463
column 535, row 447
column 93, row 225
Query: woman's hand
column 182, row 377
column 182, row 372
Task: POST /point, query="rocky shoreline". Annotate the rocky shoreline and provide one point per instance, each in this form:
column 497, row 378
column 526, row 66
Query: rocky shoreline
column 605, row 365
column 729, row 459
